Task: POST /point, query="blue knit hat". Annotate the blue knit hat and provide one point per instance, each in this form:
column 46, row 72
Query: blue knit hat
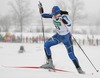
column 55, row 10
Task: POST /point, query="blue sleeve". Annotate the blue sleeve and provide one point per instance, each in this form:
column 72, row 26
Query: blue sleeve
column 46, row 15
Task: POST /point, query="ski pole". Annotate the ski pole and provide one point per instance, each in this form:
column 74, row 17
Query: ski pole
column 43, row 29
column 82, row 51
column 42, row 23
column 85, row 54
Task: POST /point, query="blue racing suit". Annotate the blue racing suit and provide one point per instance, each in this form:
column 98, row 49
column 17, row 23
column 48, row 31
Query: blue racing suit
column 62, row 35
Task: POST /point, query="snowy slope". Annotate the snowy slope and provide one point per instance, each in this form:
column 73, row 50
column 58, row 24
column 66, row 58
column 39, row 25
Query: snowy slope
column 34, row 55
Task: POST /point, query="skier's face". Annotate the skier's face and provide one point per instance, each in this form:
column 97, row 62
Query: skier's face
column 56, row 16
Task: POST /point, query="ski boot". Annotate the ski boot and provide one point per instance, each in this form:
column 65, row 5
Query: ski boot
column 80, row 71
column 48, row 65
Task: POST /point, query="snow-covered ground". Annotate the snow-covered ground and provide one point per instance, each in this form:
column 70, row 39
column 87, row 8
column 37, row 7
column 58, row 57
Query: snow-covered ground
column 34, row 55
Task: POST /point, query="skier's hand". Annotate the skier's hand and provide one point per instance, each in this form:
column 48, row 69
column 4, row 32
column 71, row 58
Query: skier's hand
column 41, row 10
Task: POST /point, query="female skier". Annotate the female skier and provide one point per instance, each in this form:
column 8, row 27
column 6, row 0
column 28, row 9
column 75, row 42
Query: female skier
column 61, row 22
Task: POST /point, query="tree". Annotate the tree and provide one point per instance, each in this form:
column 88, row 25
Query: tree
column 5, row 23
column 97, row 26
column 75, row 8
column 61, row 4
column 97, row 23
column 22, row 14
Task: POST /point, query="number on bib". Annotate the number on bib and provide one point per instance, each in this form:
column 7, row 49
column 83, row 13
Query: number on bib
column 57, row 24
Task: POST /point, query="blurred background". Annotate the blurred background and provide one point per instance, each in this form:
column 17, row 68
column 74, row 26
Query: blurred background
column 20, row 20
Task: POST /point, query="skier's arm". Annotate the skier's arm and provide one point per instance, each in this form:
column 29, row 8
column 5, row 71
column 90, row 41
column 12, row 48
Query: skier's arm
column 41, row 10
column 46, row 15
column 66, row 20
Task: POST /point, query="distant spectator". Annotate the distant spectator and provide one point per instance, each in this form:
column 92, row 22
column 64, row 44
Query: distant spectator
column 7, row 37
column 13, row 38
column 26, row 39
column 83, row 41
column 97, row 42
column 0, row 37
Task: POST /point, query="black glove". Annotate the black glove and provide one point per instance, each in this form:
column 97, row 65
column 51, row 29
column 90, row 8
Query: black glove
column 40, row 8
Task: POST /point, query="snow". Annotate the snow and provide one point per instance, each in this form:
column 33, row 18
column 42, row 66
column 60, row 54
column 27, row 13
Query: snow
column 34, row 55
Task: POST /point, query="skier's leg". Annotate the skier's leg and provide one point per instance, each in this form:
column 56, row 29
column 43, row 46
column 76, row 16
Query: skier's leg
column 71, row 54
column 50, row 42
column 69, row 46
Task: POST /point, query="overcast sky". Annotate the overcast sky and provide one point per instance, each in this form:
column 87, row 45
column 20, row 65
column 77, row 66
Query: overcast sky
column 91, row 6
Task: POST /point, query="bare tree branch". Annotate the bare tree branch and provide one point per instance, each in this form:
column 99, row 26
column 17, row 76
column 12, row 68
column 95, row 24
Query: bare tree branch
column 5, row 22
column 21, row 13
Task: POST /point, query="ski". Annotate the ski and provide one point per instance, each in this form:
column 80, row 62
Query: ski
column 38, row 67
column 50, row 70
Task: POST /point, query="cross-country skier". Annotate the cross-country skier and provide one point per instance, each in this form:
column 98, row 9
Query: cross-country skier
column 61, row 22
